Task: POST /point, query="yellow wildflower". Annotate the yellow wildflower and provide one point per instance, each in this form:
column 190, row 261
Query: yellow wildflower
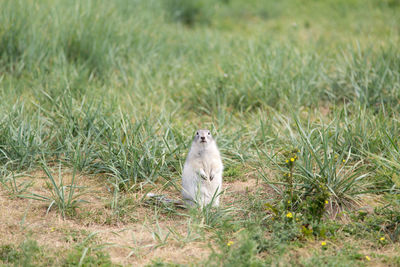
column 326, row 202
column 382, row 238
column 323, row 243
column 291, row 159
column 368, row 258
column 289, row 201
column 230, row 243
column 289, row 215
column 287, row 161
column 344, row 160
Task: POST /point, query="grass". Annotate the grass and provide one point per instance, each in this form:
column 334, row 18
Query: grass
column 29, row 253
column 64, row 197
column 113, row 92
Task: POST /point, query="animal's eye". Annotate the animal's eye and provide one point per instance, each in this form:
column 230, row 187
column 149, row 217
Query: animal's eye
column 209, row 133
column 197, row 133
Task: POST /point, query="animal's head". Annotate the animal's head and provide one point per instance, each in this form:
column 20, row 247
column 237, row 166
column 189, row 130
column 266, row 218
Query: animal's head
column 203, row 137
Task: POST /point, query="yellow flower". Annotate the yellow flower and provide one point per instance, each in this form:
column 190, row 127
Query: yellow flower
column 291, row 159
column 382, row 238
column 230, row 243
column 326, row 202
column 289, row 201
column 287, row 161
column 368, row 258
column 289, row 215
column 344, row 160
column 297, row 219
column 323, row 243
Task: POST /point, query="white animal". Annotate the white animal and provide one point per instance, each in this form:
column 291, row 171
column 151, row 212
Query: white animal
column 202, row 172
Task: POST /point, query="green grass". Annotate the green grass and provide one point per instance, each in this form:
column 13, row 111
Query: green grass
column 116, row 89
column 29, row 253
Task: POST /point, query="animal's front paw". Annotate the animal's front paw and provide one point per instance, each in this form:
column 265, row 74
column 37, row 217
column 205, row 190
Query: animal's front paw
column 202, row 174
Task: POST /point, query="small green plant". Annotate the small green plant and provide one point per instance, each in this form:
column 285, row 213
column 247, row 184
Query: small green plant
column 64, row 197
column 9, row 181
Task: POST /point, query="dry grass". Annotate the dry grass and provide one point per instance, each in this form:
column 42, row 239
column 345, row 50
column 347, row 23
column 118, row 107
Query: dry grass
column 129, row 241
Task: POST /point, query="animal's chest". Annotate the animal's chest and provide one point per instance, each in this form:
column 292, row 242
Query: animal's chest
column 205, row 163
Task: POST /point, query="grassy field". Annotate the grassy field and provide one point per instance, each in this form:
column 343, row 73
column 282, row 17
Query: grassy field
column 99, row 101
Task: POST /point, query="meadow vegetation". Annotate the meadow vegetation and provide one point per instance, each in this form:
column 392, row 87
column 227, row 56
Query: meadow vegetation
column 302, row 96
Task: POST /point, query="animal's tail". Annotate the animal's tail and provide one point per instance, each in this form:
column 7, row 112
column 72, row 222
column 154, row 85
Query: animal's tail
column 154, row 199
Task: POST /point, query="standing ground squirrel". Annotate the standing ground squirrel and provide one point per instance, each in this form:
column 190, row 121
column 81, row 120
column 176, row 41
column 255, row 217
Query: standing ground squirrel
column 202, row 173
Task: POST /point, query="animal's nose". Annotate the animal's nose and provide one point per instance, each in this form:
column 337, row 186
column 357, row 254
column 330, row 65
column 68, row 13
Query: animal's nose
column 203, row 138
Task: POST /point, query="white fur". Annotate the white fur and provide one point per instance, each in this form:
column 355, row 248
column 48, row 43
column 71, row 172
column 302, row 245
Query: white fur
column 202, row 172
